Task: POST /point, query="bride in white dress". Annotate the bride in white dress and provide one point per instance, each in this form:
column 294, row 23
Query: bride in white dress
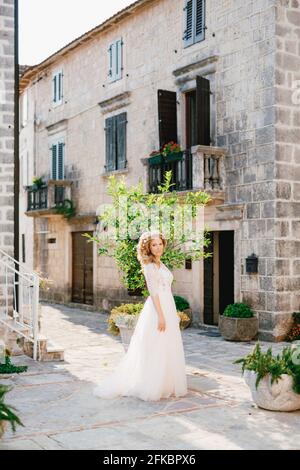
column 154, row 364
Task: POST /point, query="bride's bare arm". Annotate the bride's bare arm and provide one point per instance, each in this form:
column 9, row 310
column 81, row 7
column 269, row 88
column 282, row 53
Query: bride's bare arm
column 152, row 281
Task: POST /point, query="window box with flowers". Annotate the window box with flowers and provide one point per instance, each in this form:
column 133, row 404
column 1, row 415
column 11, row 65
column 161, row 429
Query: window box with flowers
column 171, row 152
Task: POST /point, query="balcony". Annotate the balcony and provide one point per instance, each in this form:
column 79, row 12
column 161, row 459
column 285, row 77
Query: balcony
column 43, row 202
column 201, row 168
column 181, row 172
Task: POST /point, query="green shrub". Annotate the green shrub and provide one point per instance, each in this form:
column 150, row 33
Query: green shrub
column 9, row 368
column 296, row 318
column 181, row 303
column 264, row 363
column 238, row 310
column 66, row 208
column 6, row 411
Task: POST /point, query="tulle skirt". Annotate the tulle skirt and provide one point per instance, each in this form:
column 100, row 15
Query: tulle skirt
column 154, row 364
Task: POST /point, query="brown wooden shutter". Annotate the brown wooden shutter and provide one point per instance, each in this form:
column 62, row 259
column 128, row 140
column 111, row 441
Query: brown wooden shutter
column 167, row 116
column 203, row 110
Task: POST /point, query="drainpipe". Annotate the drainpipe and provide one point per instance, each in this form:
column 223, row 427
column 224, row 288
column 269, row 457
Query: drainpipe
column 16, row 148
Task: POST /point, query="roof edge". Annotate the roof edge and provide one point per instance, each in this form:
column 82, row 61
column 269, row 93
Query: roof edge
column 32, row 70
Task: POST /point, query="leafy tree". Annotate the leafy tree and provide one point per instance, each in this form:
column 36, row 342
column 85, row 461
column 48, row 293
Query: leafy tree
column 138, row 211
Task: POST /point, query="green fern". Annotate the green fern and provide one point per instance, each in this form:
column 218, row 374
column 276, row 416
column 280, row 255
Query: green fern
column 7, row 411
column 263, row 363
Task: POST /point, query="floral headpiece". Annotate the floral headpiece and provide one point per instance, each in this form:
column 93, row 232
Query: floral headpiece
column 146, row 236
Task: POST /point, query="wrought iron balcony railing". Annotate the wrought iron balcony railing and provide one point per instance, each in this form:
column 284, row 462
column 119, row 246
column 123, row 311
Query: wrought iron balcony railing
column 48, row 197
column 181, row 173
column 201, row 168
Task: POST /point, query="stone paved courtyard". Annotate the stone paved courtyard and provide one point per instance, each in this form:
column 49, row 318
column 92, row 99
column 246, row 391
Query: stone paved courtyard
column 55, row 401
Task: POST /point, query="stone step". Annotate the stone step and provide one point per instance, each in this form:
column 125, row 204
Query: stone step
column 10, row 323
column 49, row 351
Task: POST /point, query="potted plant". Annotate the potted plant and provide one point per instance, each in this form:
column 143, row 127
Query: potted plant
column 185, row 320
column 37, row 183
column 170, row 152
column 238, row 323
column 155, row 157
column 274, row 381
column 182, row 305
column 7, row 415
column 66, row 208
column 123, row 319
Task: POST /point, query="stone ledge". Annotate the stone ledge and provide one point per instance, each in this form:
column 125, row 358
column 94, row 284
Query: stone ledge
column 114, row 172
column 230, row 211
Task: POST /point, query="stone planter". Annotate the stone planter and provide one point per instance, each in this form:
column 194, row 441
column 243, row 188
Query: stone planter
column 3, row 426
column 278, row 396
column 238, row 329
column 126, row 325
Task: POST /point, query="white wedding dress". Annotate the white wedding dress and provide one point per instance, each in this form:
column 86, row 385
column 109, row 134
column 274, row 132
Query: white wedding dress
column 154, row 364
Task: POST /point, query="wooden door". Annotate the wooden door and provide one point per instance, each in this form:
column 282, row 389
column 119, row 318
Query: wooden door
column 82, row 269
column 209, row 282
column 226, row 269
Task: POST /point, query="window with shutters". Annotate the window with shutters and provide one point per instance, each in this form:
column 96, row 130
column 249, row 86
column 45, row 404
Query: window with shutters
column 58, row 161
column 115, row 141
column 194, row 22
column 115, row 60
column 57, row 88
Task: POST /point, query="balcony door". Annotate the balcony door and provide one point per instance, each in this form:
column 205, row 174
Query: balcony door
column 82, row 269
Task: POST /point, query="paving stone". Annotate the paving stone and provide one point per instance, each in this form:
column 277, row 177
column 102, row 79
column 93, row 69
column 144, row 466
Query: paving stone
column 57, row 406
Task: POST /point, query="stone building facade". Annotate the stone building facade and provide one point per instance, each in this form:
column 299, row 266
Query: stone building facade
column 231, row 85
column 7, row 126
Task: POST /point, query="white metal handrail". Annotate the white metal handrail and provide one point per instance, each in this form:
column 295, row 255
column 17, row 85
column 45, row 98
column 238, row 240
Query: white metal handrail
column 24, row 317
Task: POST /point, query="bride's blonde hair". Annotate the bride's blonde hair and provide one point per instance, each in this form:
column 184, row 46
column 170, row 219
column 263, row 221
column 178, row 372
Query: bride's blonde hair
column 144, row 254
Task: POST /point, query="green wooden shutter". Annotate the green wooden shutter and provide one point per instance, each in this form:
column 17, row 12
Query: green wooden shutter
column 110, row 61
column 60, row 86
column 113, row 61
column 60, row 166
column 121, row 121
column 189, row 23
column 54, row 162
column 55, row 88
column 119, row 61
column 110, row 144
column 203, row 110
column 199, row 20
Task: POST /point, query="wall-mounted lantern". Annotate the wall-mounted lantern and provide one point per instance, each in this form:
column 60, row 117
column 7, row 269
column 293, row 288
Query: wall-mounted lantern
column 252, row 264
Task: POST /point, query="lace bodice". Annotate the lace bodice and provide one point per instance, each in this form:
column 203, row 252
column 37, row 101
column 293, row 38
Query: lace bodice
column 157, row 278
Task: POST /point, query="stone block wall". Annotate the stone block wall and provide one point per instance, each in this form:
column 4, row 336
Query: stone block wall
column 7, row 125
